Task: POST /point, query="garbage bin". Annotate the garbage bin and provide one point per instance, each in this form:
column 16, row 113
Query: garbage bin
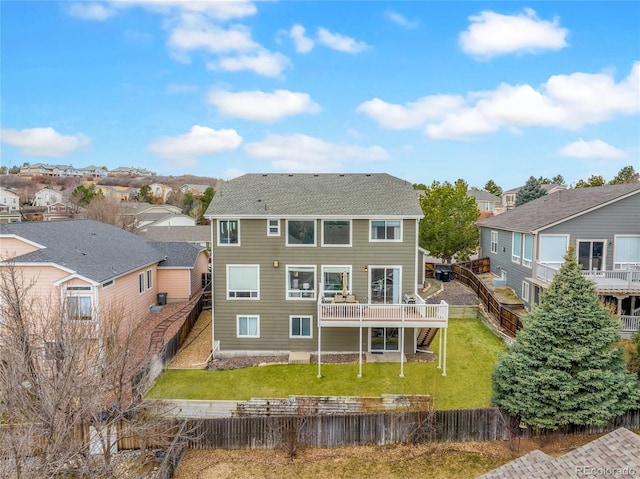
column 439, row 274
column 446, row 276
column 162, row 299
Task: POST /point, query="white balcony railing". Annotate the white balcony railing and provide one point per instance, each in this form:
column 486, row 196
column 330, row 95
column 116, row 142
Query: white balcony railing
column 619, row 279
column 630, row 325
column 384, row 315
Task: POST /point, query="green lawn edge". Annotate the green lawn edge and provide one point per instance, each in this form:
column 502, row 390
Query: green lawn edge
column 472, row 351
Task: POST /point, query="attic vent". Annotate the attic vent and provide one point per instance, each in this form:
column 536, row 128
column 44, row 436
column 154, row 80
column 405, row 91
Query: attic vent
column 341, row 175
column 264, row 176
column 290, row 175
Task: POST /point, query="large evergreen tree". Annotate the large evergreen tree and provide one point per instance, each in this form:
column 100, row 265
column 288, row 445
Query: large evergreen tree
column 449, row 227
column 562, row 367
column 493, row 188
column 531, row 190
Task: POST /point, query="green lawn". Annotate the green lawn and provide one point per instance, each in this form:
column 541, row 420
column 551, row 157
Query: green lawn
column 471, row 353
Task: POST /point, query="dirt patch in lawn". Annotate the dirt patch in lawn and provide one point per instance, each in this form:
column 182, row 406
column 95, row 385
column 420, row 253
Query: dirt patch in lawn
column 433, row 460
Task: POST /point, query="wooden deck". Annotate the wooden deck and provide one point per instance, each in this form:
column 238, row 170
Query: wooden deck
column 383, row 315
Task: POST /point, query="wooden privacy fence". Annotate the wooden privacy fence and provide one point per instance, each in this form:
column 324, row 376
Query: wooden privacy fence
column 461, row 425
column 509, row 321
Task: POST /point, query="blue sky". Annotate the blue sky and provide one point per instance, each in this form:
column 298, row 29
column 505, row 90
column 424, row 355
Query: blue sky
column 421, row 90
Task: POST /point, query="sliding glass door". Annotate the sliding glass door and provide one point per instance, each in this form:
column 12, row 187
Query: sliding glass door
column 385, row 285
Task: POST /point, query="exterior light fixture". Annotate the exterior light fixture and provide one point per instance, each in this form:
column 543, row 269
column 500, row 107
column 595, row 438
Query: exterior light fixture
column 276, row 263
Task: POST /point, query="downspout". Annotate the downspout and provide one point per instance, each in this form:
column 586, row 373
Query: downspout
column 213, row 309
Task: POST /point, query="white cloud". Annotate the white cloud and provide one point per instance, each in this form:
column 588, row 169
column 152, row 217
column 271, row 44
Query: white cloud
column 232, row 173
column 564, row 101
column 261, row 106
column 339, row 42
column 43, row 141
column 218, row 10
column 401, row 20
column 200, row 141
column 411, row 114
column 303, row 44
column 493, row 34
column 262, row 62
column 194, row 32
column 90, row 11
column 302, row 153
column 592, row 149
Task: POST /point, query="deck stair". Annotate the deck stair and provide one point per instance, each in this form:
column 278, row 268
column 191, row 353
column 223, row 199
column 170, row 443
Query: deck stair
column 425, row 337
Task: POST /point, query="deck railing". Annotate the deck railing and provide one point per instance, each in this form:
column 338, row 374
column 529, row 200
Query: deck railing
column 630, row 324
column 388, row 313
column 619, row 279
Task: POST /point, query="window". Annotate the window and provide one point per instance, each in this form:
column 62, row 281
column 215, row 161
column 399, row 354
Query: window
column 527, row 254
column 336, row 233
column 552, row 249
column 107, row 284
column 301, row 282
column 494, row 242
column 301, row 233
column 525, row 291
column 627, row 252
column 300, row 326
column 333, row 280
column 140, row 283
column 273, row 227
column 243, row 281
column 148, row 279
column 248, row 326
column 516, row 247
column 385, row 230
column 79, row 308
column 228, row 232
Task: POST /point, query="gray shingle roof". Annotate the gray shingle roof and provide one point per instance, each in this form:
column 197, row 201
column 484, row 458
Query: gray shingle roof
column 558, row 206
column 482, row 195
column 95, row 250
column 617, row 450
column 178, row 254
column 367, row 195
column 191, row 234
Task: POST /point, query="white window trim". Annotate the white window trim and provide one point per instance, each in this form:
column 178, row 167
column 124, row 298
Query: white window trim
column 384, row 240
column 218, row 232
column 256, row 316
column 527, row 262
column 346, row 267
column 269, row 233
column 149, row 279
column 619, row 265
column 494, row 243
column 315, row 234
column 80, row 292
column 301, row 316
column 141, row 283
column 348, row 245
column 312, row 285
column 516, row 258
column 553, row 264
column 243, row 299
column 525, row 291
column 596, row 240
column 108, row 284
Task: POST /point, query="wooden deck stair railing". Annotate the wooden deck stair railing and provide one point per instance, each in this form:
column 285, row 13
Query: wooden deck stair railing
column 425, row 337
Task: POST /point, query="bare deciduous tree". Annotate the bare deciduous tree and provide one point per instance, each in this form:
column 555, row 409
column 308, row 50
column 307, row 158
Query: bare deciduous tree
column 66, row 391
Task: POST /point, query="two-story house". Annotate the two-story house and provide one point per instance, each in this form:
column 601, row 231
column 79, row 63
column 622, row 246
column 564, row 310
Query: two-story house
column 508, row 198
column 527, row 244
column 47, row 196
column 317, row 261
column 86, row 267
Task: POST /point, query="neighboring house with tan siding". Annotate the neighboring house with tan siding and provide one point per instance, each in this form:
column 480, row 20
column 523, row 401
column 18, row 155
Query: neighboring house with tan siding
column 89, row 267
column 287, row 249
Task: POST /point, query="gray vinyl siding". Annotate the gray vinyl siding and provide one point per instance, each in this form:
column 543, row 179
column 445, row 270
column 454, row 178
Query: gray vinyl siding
column 501, row 261
column 622, row 217
column 273, row 307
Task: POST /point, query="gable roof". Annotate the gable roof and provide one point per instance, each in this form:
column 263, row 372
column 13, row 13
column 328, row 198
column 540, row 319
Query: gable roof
column 192, row 234
column 178, row 254
column 94, row 250
column 482, row 195
column 559, row 206
column 617, row 450
column 340, row 195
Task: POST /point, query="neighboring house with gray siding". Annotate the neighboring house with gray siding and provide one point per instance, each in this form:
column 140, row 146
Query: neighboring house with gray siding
column 317, row 261
column 527, row 244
